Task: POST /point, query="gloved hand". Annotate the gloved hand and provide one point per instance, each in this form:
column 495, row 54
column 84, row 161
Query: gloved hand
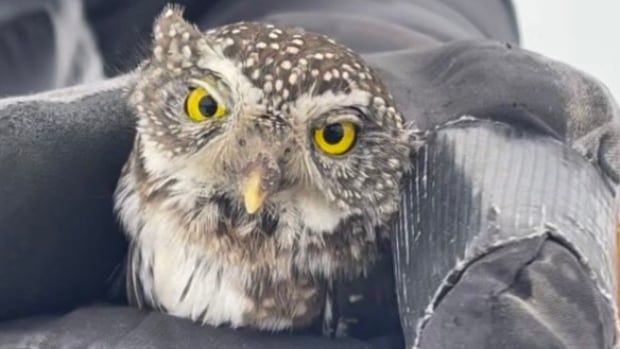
column 62, row 152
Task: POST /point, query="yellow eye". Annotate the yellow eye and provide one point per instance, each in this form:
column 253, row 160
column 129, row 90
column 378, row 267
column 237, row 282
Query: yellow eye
column 200, row 105
column 337, row 138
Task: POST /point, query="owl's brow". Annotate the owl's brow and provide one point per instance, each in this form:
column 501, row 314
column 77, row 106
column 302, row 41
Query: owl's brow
column 348, row 113
column 213, row 90
column 357, row 111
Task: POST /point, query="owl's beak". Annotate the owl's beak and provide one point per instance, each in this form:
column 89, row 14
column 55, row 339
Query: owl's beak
column 259, row 178
column 252, row 190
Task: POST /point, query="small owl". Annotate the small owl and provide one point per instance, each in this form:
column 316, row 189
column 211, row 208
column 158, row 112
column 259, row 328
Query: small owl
column 266, row 165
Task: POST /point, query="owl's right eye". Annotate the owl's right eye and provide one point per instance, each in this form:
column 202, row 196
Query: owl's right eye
column 200, row 105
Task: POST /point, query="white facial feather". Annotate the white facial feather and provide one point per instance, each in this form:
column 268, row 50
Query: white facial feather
column 317, row 213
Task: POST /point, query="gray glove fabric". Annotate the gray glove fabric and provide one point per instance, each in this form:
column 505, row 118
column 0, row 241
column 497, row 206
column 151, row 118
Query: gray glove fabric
column 123, row 327
column 515, row 231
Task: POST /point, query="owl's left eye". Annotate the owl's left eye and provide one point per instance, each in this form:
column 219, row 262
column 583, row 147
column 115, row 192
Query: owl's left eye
column 337, row 138
column 201, row 105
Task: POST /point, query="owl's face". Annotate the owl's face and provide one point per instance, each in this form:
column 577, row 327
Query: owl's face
column 273, row 118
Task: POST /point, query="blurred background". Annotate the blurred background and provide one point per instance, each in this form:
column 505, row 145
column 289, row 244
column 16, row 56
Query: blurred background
column 578, row 32
column 581, row 33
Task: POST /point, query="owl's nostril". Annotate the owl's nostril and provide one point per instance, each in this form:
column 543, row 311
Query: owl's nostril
column 287, row 151
column 241, row 142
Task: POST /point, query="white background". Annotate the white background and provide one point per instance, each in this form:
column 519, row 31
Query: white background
column 582, row 33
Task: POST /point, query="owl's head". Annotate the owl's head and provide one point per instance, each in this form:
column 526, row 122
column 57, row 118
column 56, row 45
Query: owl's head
column 274, row 117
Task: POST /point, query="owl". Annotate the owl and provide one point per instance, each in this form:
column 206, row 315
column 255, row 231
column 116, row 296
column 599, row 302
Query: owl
column 266, row 165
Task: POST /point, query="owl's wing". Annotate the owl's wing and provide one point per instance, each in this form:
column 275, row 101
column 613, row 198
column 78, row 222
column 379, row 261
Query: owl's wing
column 135, row 291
